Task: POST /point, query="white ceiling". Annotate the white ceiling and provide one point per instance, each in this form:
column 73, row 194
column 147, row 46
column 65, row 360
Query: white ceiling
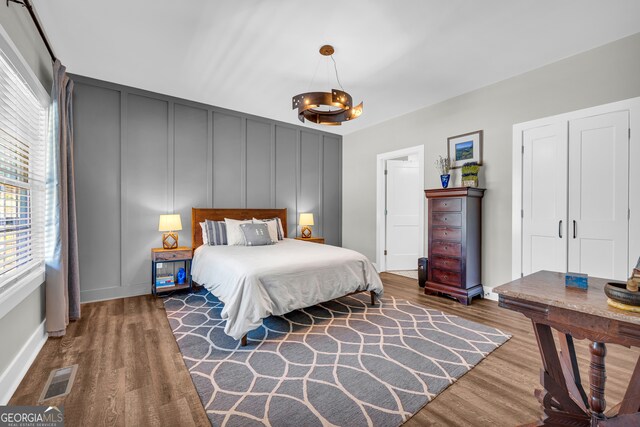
column 254, row 55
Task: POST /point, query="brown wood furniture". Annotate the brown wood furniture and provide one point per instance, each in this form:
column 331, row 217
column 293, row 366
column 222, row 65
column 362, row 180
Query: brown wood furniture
column 579, row 314
column 161, row 255
column 454, row 242
column 312, row 239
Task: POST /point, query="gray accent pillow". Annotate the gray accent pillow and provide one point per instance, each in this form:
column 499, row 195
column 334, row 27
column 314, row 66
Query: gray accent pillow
column 216, row 232
column 256, row 234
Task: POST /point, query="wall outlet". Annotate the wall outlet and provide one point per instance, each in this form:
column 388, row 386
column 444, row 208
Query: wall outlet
column 159, row 265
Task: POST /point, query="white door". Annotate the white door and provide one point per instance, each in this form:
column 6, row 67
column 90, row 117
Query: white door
column 403, row 197
column 544, row 199
column 599, row 195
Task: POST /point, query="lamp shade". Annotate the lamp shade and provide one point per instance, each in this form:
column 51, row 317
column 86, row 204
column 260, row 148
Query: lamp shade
column 170, row 223
column 306, row 219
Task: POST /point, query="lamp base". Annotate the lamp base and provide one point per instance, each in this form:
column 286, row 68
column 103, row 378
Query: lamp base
column 170, row 240
column 305, row 231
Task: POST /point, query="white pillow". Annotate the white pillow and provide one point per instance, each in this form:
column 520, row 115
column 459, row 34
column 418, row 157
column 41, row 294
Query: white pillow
column 234, row 233
column 205, row 237
column 272, row 226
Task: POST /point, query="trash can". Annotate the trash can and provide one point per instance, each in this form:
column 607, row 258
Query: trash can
column 422, row 271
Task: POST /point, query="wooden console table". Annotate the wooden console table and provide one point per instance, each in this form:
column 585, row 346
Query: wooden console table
column 574, row 313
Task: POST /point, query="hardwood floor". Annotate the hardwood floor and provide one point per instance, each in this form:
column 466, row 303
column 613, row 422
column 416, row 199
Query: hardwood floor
column 131, row 372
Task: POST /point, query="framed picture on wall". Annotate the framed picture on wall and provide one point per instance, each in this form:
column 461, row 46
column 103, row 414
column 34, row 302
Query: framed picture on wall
column 465, row 148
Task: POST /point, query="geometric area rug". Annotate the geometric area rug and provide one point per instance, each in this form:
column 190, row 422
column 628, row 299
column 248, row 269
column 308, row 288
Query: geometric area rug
column 342, row 363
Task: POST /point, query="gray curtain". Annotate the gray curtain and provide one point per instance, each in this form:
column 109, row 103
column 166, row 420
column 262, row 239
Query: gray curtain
column 61, row 248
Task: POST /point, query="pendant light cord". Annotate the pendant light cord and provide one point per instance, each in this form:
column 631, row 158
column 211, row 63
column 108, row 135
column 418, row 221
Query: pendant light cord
column 314, row 74
column 335, row 67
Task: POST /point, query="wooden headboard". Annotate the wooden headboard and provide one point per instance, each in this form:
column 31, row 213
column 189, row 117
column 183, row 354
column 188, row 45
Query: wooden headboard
column 198, row 215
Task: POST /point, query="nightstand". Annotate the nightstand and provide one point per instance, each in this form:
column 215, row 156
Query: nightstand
column 312, row 239
column 160, row 255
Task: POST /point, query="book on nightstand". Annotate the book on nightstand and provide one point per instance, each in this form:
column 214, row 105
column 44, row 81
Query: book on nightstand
column 162, row 281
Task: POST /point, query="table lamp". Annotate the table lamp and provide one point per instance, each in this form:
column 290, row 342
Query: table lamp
column 169, row 224
column 306, row 221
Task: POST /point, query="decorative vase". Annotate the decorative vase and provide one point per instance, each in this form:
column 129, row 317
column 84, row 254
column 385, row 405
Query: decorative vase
column 445, row 180
column 182, row 275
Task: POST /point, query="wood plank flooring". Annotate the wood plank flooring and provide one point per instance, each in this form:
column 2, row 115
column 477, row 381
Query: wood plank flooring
column 131, row 372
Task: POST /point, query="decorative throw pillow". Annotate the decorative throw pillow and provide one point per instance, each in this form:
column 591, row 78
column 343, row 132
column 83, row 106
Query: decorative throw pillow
column 234, row 234
column 205, row 238
column 272, row 224
column 216, row 232
column 280, row 228
column 256, row 234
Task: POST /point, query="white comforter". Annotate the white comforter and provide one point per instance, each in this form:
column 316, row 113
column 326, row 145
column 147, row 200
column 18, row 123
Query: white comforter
column 255, row 282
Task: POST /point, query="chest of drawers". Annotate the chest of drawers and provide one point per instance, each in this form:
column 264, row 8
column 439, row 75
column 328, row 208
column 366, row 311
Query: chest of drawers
column 454, row 240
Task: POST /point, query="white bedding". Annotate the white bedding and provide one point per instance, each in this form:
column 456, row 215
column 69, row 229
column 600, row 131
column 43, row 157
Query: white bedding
column 256, row 282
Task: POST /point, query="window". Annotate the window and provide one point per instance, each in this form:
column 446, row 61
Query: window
column 22, row 174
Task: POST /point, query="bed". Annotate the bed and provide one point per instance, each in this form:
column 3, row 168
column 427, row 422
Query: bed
column 257, row 282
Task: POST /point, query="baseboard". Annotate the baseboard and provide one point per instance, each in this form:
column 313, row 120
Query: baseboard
column 10, row 379
column 115, row 292
column 489, row 294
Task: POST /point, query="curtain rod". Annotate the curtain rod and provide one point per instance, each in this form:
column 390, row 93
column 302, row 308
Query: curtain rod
column 27, row 4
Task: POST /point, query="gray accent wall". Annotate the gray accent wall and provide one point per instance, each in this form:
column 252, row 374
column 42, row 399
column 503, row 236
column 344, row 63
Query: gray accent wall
column 140, row 154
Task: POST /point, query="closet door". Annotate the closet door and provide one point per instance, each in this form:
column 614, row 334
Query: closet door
column 544, row 185
column 599, row 195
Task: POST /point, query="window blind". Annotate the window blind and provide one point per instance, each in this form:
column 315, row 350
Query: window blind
column 22, row 176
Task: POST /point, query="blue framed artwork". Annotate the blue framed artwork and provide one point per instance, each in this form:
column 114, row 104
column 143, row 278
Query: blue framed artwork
column 465, row 148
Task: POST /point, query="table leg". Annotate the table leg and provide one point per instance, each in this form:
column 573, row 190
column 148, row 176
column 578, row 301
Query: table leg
column 188, row 265
column 153, row 277
column 631, row 402
column 597, row 379
column 559, row 406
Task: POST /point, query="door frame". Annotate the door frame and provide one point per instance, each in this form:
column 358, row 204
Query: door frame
column 631, row 105
column 381, row 225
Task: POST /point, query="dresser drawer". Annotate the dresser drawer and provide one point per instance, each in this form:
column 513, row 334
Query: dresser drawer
column 453, row 219
column 447, row 205
column 446, row 248
column 171, row 255
column 446, row 263
column 448, row 277
column 445, row 233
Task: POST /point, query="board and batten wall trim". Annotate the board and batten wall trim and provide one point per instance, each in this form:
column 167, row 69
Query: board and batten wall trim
column 139, row 154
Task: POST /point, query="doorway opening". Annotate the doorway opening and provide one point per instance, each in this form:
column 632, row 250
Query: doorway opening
column 400, row 210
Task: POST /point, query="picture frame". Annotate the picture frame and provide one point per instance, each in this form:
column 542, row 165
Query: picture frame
column 465, row 148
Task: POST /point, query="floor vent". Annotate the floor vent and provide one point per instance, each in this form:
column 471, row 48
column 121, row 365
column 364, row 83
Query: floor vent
column 59, row 383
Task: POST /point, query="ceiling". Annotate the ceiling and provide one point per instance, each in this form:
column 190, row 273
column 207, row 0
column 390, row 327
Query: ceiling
column 254, row 55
